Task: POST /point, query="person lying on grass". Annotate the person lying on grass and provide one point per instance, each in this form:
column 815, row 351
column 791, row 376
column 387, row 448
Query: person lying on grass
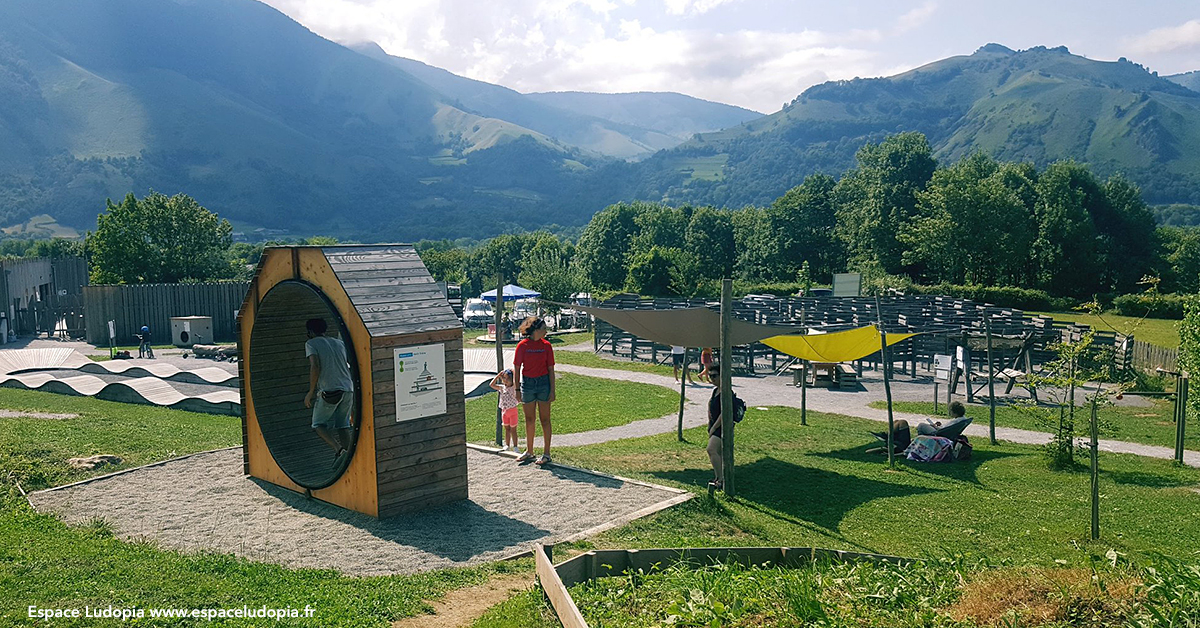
column 330, row 385
column 534, row 360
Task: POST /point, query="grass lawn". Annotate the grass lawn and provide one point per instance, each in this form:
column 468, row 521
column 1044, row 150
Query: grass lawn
column 587, row 358
column 816, row 486
column 1156, row 331
column 582, row 404
column 47, row 563
column 1151, row 425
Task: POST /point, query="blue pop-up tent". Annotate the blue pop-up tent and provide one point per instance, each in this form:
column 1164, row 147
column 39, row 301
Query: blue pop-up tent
column 511, row 293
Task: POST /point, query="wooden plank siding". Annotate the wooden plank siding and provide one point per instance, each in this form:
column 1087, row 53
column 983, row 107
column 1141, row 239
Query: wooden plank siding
column 386, row 299
column 131, row 306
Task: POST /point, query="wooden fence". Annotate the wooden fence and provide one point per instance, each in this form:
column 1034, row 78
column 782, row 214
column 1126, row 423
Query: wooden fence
column 1148, row 357
column 131, row 306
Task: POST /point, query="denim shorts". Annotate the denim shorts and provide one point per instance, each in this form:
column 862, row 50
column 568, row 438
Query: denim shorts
column 535, row 389
column 333, row 415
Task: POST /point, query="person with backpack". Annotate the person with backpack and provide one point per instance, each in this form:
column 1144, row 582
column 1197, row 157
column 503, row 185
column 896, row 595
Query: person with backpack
column 716, row 447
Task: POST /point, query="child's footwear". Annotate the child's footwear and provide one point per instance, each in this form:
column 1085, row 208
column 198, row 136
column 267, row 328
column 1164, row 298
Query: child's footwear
column 525, row 457
column 542, row 459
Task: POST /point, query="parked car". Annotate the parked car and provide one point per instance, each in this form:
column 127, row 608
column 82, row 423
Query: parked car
column 478, row 313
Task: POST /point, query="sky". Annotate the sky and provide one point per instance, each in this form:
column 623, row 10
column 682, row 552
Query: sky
column 758, row 54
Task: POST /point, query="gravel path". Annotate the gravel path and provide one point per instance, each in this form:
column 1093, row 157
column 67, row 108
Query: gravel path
column 775, row 391
column 203, row 502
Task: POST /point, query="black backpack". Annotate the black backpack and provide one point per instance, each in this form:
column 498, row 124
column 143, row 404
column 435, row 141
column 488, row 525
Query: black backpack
column 739, row 409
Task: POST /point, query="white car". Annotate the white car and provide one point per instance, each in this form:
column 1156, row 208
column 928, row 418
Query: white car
column 478, row 313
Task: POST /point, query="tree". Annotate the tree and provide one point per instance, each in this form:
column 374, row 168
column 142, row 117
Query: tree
column 1180, row 258
column 159, row 239
column 880, row 195
column 603, row 249
column 708, row 238
column 650, row 272
column 552, row 274
column 972, row 228
column 801, row 224
column 1065, row 248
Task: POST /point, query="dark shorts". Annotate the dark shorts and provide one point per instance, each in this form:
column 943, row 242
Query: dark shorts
column 677, row 359
column 535, row 389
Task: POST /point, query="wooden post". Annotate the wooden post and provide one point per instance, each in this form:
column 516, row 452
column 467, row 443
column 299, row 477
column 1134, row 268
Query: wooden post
column 887, row 385
column 803, row 379
column 1181, row 394
column 987, row 327
column 1095, row 471
column 499, row 316
column 727, row 385
column 935, row 393
column 682, row 387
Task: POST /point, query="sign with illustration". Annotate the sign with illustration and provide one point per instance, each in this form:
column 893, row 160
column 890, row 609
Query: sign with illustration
column 420, row 381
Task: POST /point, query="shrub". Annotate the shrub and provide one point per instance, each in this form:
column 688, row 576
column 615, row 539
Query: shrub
column 1150, row 305
column 1003, row 296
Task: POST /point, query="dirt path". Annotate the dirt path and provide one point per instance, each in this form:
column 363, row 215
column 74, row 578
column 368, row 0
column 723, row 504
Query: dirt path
column 463, row 606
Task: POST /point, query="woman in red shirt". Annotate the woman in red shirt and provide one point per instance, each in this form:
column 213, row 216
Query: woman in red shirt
column 534, row 362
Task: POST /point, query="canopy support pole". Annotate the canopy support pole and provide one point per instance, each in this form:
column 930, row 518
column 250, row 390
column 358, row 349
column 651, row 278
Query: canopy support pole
column 683, row 377
column 499, row 315
column 887, row 385
column 727, row 385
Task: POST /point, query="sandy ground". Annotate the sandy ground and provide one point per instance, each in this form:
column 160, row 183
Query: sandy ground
column 203, row 502
column 17, row 414
column 461, row 607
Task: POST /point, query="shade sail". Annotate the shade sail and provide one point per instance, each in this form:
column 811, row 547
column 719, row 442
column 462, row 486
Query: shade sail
column 511, row 293
column 685, row 327
column 841, row 346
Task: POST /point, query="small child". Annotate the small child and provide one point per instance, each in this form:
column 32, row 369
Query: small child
column 505, row 384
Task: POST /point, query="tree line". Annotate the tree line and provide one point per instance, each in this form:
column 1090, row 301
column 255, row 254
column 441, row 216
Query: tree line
column 897, row 216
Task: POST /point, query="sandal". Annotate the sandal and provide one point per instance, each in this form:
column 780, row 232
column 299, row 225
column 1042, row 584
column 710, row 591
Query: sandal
column 525, row 457
column 543, row 460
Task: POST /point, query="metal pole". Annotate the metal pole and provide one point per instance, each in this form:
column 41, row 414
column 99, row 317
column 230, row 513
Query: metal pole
column 887, row 385
column 499, row 316
column 1181, row 393
column 1095, row 472
column 682, row 386
column 987, row 326
column 727, row 385
column 935, row 394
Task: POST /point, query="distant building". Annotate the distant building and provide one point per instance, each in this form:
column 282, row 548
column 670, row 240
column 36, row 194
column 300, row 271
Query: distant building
column 39, row 283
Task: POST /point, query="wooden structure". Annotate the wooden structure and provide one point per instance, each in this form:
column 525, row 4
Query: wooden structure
column 130, row 306
column 385, row 306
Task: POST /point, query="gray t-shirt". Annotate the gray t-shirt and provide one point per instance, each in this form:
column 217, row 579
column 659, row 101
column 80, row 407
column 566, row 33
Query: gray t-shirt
column 331, row 356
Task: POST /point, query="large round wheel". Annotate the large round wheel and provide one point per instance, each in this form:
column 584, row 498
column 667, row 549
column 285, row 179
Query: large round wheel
column 278, row 372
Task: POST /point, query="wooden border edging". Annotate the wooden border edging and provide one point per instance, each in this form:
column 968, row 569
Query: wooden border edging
column 604, row 563
column 124, row 471
column 560, row 599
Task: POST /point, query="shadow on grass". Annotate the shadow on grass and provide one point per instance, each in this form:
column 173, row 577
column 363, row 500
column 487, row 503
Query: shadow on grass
column 800, row 494
column 962, row 471
column 1142, row 478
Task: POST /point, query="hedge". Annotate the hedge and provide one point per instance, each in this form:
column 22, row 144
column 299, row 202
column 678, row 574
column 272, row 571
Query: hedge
column 1151, row 305
column 1003, row 296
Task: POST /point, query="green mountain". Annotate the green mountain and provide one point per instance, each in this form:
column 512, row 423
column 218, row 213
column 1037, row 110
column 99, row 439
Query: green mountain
column 1038, row 105
column 256, row 117
column 1190, row 80
column 670, row 113
column 624, row 126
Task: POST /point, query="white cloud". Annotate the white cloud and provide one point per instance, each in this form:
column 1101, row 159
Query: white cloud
column 1168, row 39
column 604, row 45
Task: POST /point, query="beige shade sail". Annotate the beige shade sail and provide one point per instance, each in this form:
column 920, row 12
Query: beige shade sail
column 685, row 327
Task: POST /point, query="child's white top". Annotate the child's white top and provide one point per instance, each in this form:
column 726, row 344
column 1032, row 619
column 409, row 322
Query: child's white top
column 508, row 396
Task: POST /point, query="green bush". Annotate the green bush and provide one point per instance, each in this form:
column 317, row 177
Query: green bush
column 1151, row 305
column 779, row 289
column 1003, row 296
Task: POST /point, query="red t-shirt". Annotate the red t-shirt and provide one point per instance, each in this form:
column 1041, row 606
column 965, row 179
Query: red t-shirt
column 535, row 357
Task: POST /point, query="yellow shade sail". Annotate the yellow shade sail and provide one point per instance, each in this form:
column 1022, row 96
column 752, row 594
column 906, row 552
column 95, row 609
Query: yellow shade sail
column 842, row 346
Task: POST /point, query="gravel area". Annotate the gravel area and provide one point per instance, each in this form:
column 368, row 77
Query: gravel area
column 17, row 414
column 203, row 502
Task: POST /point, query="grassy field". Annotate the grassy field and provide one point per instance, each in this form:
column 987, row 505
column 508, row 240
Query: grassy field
column 937, row 592
column 582, row 404
column 1156, row 331
column 587, row 358
column 816, row 486
column 1150, row 426
column 47, row 563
